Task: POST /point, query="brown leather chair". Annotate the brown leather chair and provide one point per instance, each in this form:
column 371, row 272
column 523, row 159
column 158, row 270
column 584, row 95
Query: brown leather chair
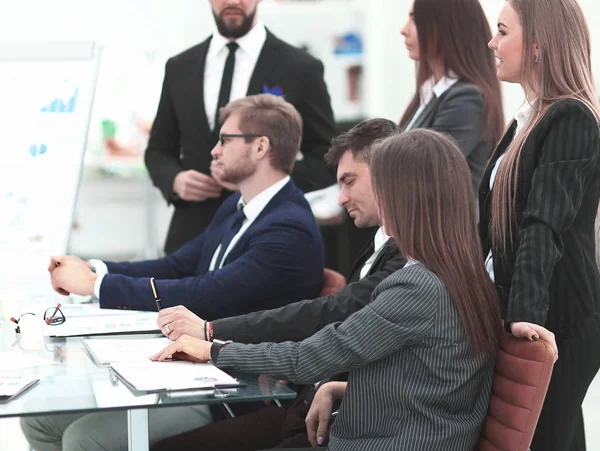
column 523, row 370
column 333, row 282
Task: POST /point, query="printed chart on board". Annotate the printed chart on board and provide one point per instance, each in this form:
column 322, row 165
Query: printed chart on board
column 45, row 105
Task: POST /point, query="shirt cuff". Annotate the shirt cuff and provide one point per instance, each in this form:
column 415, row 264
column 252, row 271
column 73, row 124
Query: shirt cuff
column 101, row 270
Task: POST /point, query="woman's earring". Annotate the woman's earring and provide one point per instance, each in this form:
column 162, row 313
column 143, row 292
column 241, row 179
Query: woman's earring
column 537, row 60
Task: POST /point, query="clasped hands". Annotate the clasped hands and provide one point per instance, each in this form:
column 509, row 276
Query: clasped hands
column 70, row 274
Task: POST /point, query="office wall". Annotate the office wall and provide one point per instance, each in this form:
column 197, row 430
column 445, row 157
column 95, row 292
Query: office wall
column 139, row 35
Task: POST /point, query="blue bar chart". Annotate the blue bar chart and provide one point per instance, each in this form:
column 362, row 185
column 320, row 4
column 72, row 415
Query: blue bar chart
column 37, row 149
column 59, row 105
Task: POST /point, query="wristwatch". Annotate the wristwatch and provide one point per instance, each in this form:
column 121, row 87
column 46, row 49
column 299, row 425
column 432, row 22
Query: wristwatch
column 216, row 348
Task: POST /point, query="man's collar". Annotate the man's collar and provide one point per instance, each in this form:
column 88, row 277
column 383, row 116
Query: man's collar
column 380, row 239
column 253, row 208
column 251, row 43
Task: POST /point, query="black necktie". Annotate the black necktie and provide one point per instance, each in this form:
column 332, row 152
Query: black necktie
column 225, row 91
column 235, row 224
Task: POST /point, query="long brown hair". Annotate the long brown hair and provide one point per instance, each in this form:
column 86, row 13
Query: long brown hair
column 563, row 71
column 458, row 32
column 434, row 222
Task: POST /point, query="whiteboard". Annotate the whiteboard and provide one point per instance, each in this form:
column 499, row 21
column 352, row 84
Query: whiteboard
column 46, row 96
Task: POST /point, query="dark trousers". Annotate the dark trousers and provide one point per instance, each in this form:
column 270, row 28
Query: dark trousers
column 267, row 428
column 560, row 427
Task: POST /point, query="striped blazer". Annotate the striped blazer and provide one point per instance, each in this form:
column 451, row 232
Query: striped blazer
column 416, row 381
column 549, row 275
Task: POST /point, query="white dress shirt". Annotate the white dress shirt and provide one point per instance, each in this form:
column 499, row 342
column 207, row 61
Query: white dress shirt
column 246, row 57
column 380, row 239
column 251, row 211
column 429, row 89
column 522, row 117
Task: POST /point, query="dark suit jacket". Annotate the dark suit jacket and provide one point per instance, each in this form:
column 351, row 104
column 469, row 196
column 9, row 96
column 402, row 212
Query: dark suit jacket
column 278, row 259
column 549, row 274
column 181, row 138
column 302, row 319
column 416, row 380
column 460, row 113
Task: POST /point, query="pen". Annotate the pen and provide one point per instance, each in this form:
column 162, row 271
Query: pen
column 155, row 292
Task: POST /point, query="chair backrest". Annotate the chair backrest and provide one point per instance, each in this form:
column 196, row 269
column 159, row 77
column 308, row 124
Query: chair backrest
column 333, row 282
column 523, row 370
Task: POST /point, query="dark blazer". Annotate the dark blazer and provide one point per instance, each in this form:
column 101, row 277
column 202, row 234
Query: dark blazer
column 416, row 380
column 548, row 275
column 181, row 138
column 278, row 259
column 460, row 113
column 300, row 320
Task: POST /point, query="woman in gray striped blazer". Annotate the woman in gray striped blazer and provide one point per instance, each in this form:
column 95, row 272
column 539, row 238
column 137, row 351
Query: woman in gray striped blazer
column 420, row 355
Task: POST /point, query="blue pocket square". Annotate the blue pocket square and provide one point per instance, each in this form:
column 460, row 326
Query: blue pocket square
column 275, row 90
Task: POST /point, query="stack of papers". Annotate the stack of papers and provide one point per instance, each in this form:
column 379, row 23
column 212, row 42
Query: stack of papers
column 84, row 320
column 105, row 350
column 173, row 375
column 13, row 386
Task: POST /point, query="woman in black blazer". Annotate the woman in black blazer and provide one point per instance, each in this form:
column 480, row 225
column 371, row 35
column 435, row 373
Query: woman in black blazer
column 457, row 89
column 539, row 202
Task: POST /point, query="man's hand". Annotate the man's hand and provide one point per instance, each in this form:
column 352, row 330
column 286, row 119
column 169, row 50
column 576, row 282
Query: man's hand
column 534, row 332
column 177, row 321
column 216, row 170
column 186, row 348
column 71, row 275
column 194, row 186
column 318, row 417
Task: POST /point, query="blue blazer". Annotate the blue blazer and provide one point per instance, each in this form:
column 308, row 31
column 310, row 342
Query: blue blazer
column 279, row 259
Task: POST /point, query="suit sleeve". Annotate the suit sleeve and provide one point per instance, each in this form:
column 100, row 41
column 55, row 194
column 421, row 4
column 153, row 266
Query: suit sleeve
column 162, row 153
column 299, row 320
column 181, row 263
column 402, row 315
column 314, row 105
column 281, row 258
column 568, row 162
column 461, row 115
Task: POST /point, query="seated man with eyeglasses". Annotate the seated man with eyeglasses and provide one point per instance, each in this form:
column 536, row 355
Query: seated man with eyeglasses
column 263, row 248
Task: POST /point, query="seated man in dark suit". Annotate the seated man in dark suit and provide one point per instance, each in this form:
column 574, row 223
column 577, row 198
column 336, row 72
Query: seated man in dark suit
column 263, row 249
column 284, row 427
column 274, row 258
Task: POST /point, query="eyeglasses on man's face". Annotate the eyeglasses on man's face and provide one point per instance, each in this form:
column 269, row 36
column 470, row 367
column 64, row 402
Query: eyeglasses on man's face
column 224, row 136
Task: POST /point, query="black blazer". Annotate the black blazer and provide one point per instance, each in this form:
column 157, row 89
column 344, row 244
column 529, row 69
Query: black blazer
column 549, row 274
column 460, row 113
column 297, row 321
column 181, row 138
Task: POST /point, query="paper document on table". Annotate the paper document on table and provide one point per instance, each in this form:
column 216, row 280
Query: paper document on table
column 173, row 375
column 14, row 386
column 112, row 350
column 104, row 325
column 12, row 360
column 86, row 310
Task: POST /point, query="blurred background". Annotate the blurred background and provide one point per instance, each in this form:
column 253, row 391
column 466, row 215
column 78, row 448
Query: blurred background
column 119, row 215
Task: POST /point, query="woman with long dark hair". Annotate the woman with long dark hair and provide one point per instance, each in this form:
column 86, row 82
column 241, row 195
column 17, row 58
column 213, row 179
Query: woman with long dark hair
column 420, row 355
column 539, row 202
column 457, row 89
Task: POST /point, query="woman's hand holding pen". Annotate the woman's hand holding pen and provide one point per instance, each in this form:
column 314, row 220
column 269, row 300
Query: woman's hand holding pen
column 175, row 322
column 185, row 348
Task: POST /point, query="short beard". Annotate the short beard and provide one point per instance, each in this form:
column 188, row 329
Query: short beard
column 239, row 173
column 236, row 31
